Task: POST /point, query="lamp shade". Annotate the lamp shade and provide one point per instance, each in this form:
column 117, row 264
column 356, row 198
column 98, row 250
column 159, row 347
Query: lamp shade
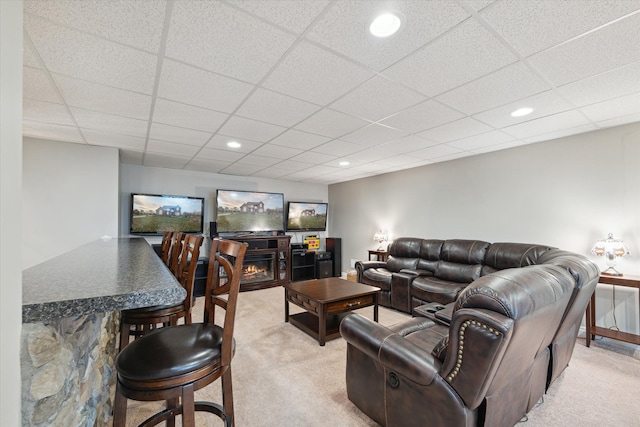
column 611, row 248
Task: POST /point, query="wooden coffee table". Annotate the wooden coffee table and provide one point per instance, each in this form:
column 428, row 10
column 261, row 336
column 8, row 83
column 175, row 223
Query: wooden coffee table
column 327, row 302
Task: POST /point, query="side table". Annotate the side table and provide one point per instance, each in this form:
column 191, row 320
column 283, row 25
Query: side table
column 592, row 329
column 381, row 255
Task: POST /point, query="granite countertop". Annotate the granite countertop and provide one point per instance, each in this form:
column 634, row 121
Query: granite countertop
column 105, row 275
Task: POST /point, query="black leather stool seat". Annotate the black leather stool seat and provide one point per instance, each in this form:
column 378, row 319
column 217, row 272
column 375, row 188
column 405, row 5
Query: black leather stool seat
column 170, row 352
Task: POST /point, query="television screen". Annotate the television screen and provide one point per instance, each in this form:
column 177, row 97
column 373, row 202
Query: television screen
column 249, row 211
column 154, row 213
column 303, row 216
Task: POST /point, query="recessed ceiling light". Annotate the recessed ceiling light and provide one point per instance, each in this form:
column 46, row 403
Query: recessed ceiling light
column 344, row 163
column 522, row 112
column 385, row 25
column 234, row 144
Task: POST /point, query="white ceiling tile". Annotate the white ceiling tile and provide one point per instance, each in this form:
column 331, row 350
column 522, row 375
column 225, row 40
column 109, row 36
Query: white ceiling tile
column 370, row 155
column 294, row 15
column 423, row 116
column 252, row 159
column 166, row 147
column 623, row 120
column 131, row 157
column 88, row 119
column 435, row 152
column 219, row 142
column 51, row 131
column 276, row 151
column 311, row 73
column 479, row 141
column 244, row 47
column 338, row 148
column 331, row 123
column 299, row 140
column 238, row 169
column 377, row 99
column 531, row 26
column 193, row 86
column 178, row 114
column 218, row 155
column 312, row 157
column 613, row 108
column 272, row 107
column 250, row 129
column 202, row 165
column 92, row 96
column 498, row 147
column 501, row 87
column 344, row 29
column 406, row 144
column 164, row 161
column 321, row 169
column 374, row 134
column 37, row 85
column 609, row 47
column 543, row 104
column 301, row 175
column 79, row 55
column 478, row 5
column 292, row 165
column 548, row 124
column 560, row 133
column 455, row 130
column 46, row 112
column 29, row 57
column 463, row 54
column 127, row 142
column 611, row 84
column 272, row 172
column 134, row 23
column 399, row 160
column 179, row 135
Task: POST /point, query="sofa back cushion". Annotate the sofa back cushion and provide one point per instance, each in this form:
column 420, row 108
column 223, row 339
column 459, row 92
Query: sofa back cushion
column 404, row 253
column 511, row 255
column 461, row 260
column 429, row 254
column 459, row 273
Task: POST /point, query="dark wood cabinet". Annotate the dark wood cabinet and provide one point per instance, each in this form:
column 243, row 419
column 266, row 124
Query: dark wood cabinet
column 303, row 265
column 267, row 262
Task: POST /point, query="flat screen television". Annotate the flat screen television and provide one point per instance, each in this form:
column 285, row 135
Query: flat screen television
column 155, row 213
column 249, row 211
column 303, row 216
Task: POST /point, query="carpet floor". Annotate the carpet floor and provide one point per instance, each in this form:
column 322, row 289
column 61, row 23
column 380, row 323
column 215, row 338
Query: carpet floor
column 282, row 377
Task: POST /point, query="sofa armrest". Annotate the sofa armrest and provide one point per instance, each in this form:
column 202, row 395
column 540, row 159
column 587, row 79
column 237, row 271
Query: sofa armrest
column 362, row 266
column 416, row 273
column 390, row 349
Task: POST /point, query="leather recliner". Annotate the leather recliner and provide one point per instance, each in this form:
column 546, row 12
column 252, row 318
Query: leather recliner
column 487, row 366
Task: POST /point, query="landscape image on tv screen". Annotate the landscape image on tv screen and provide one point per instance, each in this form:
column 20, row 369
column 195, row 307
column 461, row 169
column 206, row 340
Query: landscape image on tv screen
column 246, row 211
column 306, row 216
column 153, row 214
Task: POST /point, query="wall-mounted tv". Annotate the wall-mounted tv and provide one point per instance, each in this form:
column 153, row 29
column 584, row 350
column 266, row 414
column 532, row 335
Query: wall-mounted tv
column 302, row 216
column 155, row 213
column 249, row 211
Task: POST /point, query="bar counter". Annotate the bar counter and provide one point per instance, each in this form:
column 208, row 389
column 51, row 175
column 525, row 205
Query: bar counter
column 102, row 276
column 70, row 324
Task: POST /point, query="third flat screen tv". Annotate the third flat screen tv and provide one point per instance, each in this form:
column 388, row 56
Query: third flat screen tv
column 303, row 216
column 249, row 211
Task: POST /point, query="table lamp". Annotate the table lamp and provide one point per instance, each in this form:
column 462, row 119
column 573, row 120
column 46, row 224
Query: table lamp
column 612, row 249
column 380, row 237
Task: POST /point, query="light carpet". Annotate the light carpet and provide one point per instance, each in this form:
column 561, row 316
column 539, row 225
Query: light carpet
column 282, row 377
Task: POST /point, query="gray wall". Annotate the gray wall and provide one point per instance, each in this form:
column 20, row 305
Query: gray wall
column 567, row 192
column 69, row 198
column 151, row 180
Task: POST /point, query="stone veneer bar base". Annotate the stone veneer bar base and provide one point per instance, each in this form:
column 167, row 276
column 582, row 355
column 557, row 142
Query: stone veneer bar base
column 67, row 370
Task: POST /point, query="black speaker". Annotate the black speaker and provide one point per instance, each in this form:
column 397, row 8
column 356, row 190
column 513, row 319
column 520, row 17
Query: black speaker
column 213, row 229
column 334, row 246
column 324, row 269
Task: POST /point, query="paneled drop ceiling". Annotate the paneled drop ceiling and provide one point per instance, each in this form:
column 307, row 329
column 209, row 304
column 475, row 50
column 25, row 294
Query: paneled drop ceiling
column 304, row 87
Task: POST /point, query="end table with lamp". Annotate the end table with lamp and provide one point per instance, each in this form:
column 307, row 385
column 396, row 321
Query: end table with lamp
column 381, row 252
column 612, row 249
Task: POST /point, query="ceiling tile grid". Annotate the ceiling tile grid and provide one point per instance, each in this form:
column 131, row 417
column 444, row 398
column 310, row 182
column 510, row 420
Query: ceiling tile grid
column 303, row 86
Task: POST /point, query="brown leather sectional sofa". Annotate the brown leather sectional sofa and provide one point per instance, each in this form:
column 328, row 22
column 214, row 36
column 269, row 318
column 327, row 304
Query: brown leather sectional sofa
column 514, row 314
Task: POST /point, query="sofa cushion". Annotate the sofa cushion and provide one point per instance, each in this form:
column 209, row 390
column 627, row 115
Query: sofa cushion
column 454, row 272
column 380, row 277
column 405, row 247
column 433, row 289
column 396, row 264
column 464, row 251
column 511, row 255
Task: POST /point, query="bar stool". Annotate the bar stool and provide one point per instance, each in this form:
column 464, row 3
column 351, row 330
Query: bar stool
column 165, row 247
column 172, row 363
column 140, row 321
column 175, row 252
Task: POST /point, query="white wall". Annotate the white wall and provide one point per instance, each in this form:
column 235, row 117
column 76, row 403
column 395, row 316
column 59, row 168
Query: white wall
column 10, row 194
column 568, row 193
column 70, row 197
column 151, row 180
